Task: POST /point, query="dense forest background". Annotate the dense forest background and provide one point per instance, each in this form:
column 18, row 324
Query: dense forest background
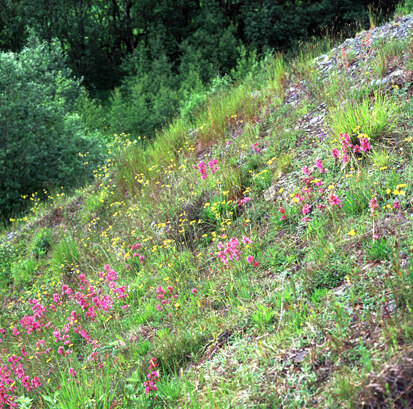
column 75, row 72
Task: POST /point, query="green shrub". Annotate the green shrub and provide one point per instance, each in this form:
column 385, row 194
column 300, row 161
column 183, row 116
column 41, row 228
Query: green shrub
column 41, row 243
column 41, row 135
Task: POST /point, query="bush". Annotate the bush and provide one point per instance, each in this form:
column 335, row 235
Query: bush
column 41, row 136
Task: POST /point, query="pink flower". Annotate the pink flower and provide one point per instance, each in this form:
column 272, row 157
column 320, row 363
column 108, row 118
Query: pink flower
column 305, row 219
column 365, row 146
column 36, row 382
column 202, row 169
column 334, row 200
column 281, row 210
column 246, row 240
column 356, row 148
column 72, row 372
column 345, row 158
column 320, row 166
column 194, row 291
column 306, row 209
column 230, row 251
column 211, row 165
column 250, row 259
column 305, row 170
column 283, row 217
column 373, row 204
column 335, row 153
column 345, row 140
column 255, row 147
column 396, row 204
column 244, row 200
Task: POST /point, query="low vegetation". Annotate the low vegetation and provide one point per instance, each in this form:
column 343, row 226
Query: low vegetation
column 256, row 253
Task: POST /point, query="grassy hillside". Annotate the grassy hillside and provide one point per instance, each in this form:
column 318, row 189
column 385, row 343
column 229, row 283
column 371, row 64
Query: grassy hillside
column 258, row 255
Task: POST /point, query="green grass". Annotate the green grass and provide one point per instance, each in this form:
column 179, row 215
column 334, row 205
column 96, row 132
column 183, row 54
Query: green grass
column 314, row 319
column 372, row 116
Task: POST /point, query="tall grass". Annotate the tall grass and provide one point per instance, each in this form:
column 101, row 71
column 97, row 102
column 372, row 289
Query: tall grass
column 372, row 116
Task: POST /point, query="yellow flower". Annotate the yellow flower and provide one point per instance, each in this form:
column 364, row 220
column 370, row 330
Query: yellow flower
column 351, row 233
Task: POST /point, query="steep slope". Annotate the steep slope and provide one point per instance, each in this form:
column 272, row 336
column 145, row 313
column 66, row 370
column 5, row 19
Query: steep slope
column 259, row 256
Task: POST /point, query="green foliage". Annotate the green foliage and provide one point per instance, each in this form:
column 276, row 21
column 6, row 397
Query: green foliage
column 65, row 254
column 24, row 402
column 405, row 7
column 163, row 57
column 205, row 36
column 374, row 117
column 41, row 136
column 22, row 272
column 262, row 316
column 7, row 257
column 244, row 333
column 86, row 394
column 41, row 243
column 331, row 273
column 378, row 249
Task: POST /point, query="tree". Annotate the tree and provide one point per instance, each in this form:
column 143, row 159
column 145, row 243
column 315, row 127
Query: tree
column 40, row 134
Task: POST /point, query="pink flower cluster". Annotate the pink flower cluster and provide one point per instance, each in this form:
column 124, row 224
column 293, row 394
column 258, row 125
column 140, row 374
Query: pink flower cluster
column 306, row 195
column 232, row 250
column 166, row 297
column 346, row 146
column 244, row 201
column 202, row 168
column 152, row 376
column 135, row 254
column 334, row 200
column 281, row 210
column 320, row 166
column 135, row 247
column 62, row 321
column 373, row 205
column 255, row 147
column 8, row 385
